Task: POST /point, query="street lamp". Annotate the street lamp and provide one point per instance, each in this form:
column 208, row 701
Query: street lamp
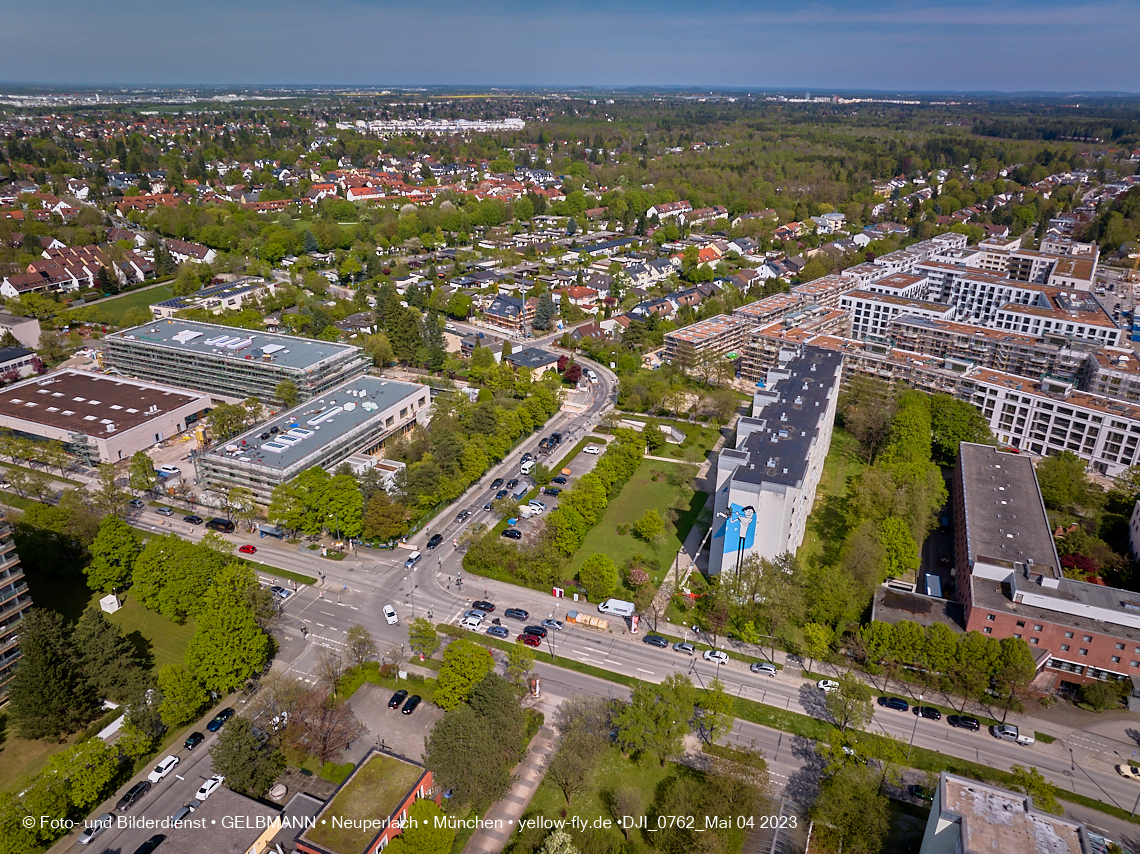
column 411, row 592
column 337, row 519
column 914, row 729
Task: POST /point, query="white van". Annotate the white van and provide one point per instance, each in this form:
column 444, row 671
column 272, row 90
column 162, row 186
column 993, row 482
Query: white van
column 592, row 377
column 527, row 467
column 617, row 608
column 169, row 471
column 412, row 560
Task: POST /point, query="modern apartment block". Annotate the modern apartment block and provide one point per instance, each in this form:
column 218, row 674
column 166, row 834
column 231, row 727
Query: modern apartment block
column 716, row 337
column 14, row 603
column 229, row 363
column 765, row 484
column 968, row 817
column 358, row 417
column 872, row 313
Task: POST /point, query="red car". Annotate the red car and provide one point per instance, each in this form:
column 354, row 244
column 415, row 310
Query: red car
column 530, row 640
column 248, row 550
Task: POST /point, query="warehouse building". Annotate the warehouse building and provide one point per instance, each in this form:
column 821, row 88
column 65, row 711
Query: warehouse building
column 231, row 363
column 99, row 418
column 358, row 417
column 765, row 485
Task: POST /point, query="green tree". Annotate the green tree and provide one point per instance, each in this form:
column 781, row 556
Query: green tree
column 228, row 645
column 359, row 645
column 656, row 717
column 1015, row 671
column 90, row 768
column 384, row 519
column 850, row 813
column 900, row 551
column 48, row 696
column 1062, row 480
column 226, row 419
column 1033, row 783
column 464, row 665
column 544, row 312
column 142, row 474
column 249, row 764
column 108, row 660
column 817, row 641
column 286, row 392
column 717, row 711
column 183, row 695
column 558, row 842
column 108, row 496
column 425, row 832
column 650, row 527
column 579, row 747
column 954, row 421
column 599, row 575
column 849, row 706
column 241, row 505
column 422, row 637
column 113, row 555
column 520, row 662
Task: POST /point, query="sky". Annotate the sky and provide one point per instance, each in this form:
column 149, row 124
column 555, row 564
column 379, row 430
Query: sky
column 889, row 45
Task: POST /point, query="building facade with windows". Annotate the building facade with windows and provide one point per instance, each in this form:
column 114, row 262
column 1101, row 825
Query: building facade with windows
column 230, row 363
column 15, row 600
column 359, row 417
column 765, row 484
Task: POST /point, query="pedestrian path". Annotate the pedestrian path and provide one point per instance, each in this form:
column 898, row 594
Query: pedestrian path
column 503, row 818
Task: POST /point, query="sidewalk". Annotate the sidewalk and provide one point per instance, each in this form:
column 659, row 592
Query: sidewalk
column 504, row 816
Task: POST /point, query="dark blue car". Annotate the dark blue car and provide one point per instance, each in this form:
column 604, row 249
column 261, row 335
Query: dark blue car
column 220, row 719
column 894, row 703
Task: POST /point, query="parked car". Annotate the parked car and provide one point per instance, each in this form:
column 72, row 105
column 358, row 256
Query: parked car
column 193, row 740
column 717, row 656
column 483, row 606
column 552, row 490
column 529, row 640
column 896, row 703
column 220, row 719
column 498, row 632
column 164, row 511
column 554, row 625
column 764, row 668
column 209, row 787
column 248, row 550
column 96, row 826
column 169, row 471
column 152, row 843
column 657, row 641
column 497, row 483
column 516, row 614
column 133, row 795
column 535, row 503
column 413, row 702
column 686, row 648
column 827, row 685
column 591, row 449
column 928, row 712
column 537, row 631
column 163, row 768
column 964, row 722
column 222, row 526
column 192, row 520
column 397, row 699
column 560, row 480
column 511, row 534
column 390, row 615
column 138, row 505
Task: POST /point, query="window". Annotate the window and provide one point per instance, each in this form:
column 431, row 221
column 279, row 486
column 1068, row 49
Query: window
column 1016, row 635
column 1070, row 634
column 987, row 630
column 1134, row 664
column 1021, row 624
column 989, row 618
column 1116, row 659
column 1034, row 641
column 1082, row 652
column 1038, row 627
column 1064, row 647
column 1086, row 638
column 1120, row 646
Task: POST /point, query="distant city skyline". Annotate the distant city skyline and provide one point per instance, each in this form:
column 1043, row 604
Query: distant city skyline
column 970, row 46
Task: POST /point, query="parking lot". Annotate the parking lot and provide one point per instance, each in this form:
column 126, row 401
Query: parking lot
column 398, row 733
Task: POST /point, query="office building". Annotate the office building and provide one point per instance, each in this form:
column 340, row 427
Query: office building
column 229, row 363
column 98, row 417
column 358, row 417
column 765, row 484
column 968, row 817
column 1010, row 581
column 14, row 603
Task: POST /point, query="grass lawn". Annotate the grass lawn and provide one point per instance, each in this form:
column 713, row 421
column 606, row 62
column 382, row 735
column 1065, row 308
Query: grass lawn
column 698, row 439
column 827, row 525
column 373, row 794
column 159, row 639
column 112, row 310
column 640, row 494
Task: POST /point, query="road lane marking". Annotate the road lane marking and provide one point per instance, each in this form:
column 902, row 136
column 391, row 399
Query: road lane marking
column 650, row 672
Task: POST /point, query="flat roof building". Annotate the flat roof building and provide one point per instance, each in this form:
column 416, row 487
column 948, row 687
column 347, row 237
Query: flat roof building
column 228, row 296
column 357, row 417
column 98, row 417
column 765, row 485
column 968, row 817
column 227, row 823
column 713, row 338
column 231, row 363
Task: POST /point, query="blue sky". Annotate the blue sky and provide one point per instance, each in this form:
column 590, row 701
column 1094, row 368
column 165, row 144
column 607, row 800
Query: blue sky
column 967, row 45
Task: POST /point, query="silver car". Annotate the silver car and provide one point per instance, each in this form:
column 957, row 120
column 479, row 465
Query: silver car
column 686, row 648
column 93, row 827
column 764, row 668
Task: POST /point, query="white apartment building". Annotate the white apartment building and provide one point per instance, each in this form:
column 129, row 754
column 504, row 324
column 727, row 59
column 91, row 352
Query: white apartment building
column 1060, row 315
column 872, row 313
column 765, row 485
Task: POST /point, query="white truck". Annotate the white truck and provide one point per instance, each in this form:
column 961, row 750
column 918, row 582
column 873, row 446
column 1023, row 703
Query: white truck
column 526, row 511
column 617, row 608
column 1008, row 732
